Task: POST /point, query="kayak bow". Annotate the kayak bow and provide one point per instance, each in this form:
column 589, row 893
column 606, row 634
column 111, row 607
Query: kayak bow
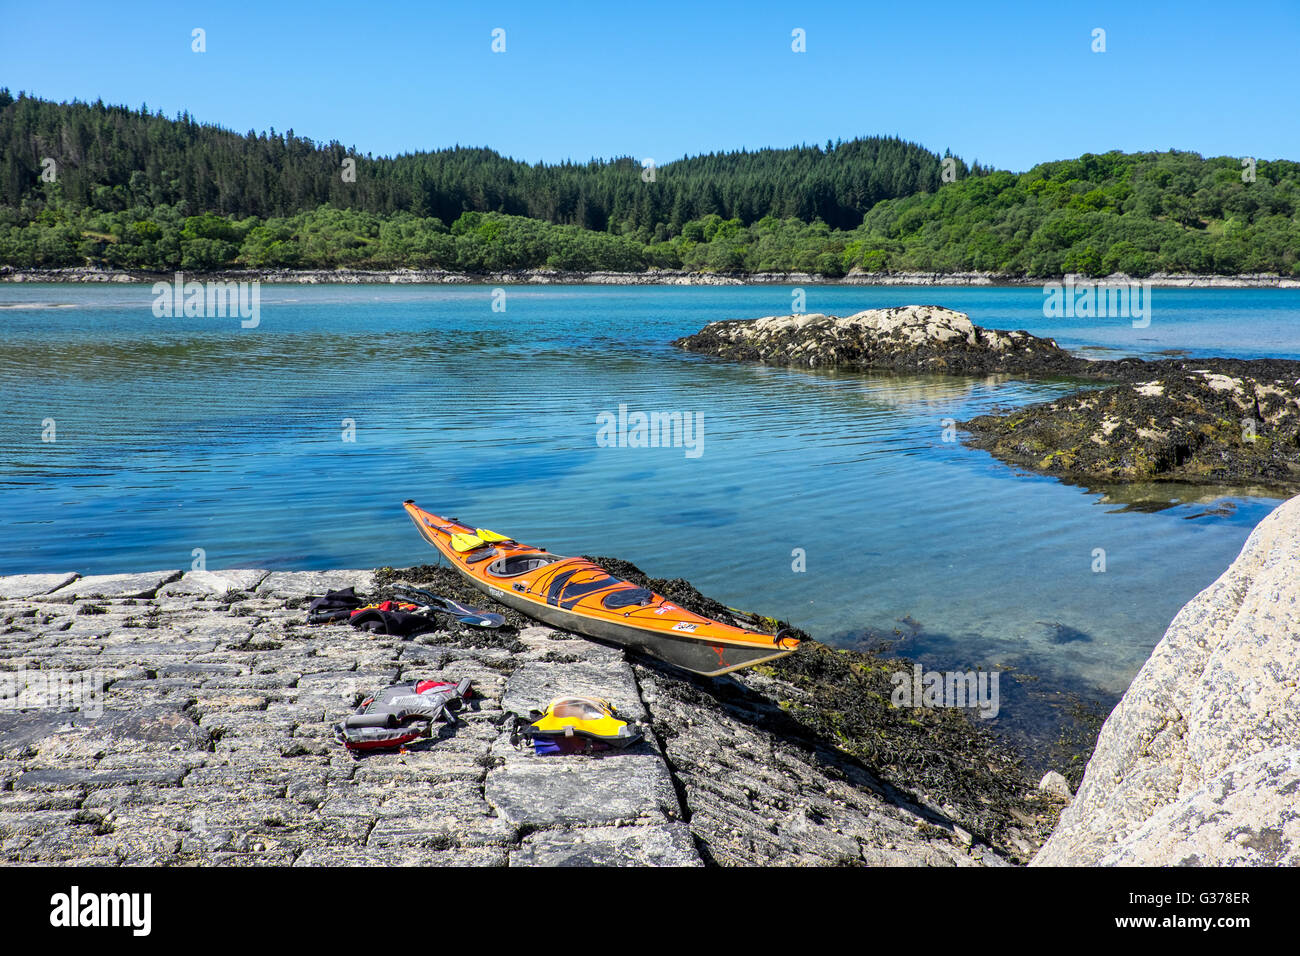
column 577, row 595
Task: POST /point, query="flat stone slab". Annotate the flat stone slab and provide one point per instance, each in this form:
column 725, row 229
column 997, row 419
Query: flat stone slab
column 200, row 671
column 114, row 586
column 18, row 586
column 544, row 640
column 536, row 683
column 19, row 730
column 217, row 582
column 400, row 856
column 569, row 790
column 153, row 725
column 147, row 651
column 437, row 815
column 293, row 584
column 653, row 845
column 94, row 780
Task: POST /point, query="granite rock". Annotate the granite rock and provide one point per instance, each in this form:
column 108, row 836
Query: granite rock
column 1201, row 750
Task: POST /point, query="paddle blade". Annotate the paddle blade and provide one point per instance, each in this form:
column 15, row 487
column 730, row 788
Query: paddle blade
column 492, row 621
column 466, row 542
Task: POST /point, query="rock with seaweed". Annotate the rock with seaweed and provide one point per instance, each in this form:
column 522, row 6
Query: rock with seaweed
column 1211, row 421
column 910, row 338
column 1193, row 425
column 839, row 700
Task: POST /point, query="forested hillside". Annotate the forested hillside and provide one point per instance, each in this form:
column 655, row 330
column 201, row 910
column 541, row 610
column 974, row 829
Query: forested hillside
column 114, row 158
column 134, row 189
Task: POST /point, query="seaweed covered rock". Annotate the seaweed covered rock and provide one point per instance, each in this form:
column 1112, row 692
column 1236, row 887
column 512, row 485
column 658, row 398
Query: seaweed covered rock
column 910, row 338
column 1200, row 762
column 1186, row 424
column 831, row 709
column 1217, row 421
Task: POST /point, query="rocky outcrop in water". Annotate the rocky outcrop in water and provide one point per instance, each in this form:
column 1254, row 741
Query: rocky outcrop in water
column 207, row 739
column 1212, row 421
column 1186, row 423
column 911, row 338
column 1200, row 762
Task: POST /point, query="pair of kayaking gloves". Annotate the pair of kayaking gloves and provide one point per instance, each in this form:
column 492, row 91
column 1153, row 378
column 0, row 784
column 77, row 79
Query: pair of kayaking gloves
column 402, row 618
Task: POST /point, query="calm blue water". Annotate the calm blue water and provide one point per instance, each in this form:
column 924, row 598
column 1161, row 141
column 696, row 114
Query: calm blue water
column 174, row 434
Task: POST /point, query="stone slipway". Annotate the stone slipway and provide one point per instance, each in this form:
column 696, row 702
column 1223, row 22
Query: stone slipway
column 210, row 743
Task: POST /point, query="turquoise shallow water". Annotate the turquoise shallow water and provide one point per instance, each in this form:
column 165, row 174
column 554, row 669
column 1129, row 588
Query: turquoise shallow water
column 176, row 434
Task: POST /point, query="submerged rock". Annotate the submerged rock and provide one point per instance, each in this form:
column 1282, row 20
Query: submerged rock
column 1200, row 762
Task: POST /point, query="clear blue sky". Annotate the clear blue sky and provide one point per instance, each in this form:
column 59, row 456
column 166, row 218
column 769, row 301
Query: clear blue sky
column 1010, row 84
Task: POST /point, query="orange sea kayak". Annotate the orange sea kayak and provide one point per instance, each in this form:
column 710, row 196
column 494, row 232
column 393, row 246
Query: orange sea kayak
column 579, row 596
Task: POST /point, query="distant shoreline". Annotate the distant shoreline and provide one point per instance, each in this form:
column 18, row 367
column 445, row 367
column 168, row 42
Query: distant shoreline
column 651, row 277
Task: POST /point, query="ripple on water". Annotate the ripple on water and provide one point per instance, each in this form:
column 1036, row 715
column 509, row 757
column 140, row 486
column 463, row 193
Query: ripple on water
column 174, row 435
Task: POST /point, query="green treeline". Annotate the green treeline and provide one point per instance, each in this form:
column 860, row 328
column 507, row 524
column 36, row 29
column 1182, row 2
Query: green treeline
column 137, row 190
column 112, row 158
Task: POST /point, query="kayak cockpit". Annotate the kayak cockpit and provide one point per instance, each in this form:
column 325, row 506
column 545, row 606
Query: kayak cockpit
column 513, row 565
column 627, row 597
